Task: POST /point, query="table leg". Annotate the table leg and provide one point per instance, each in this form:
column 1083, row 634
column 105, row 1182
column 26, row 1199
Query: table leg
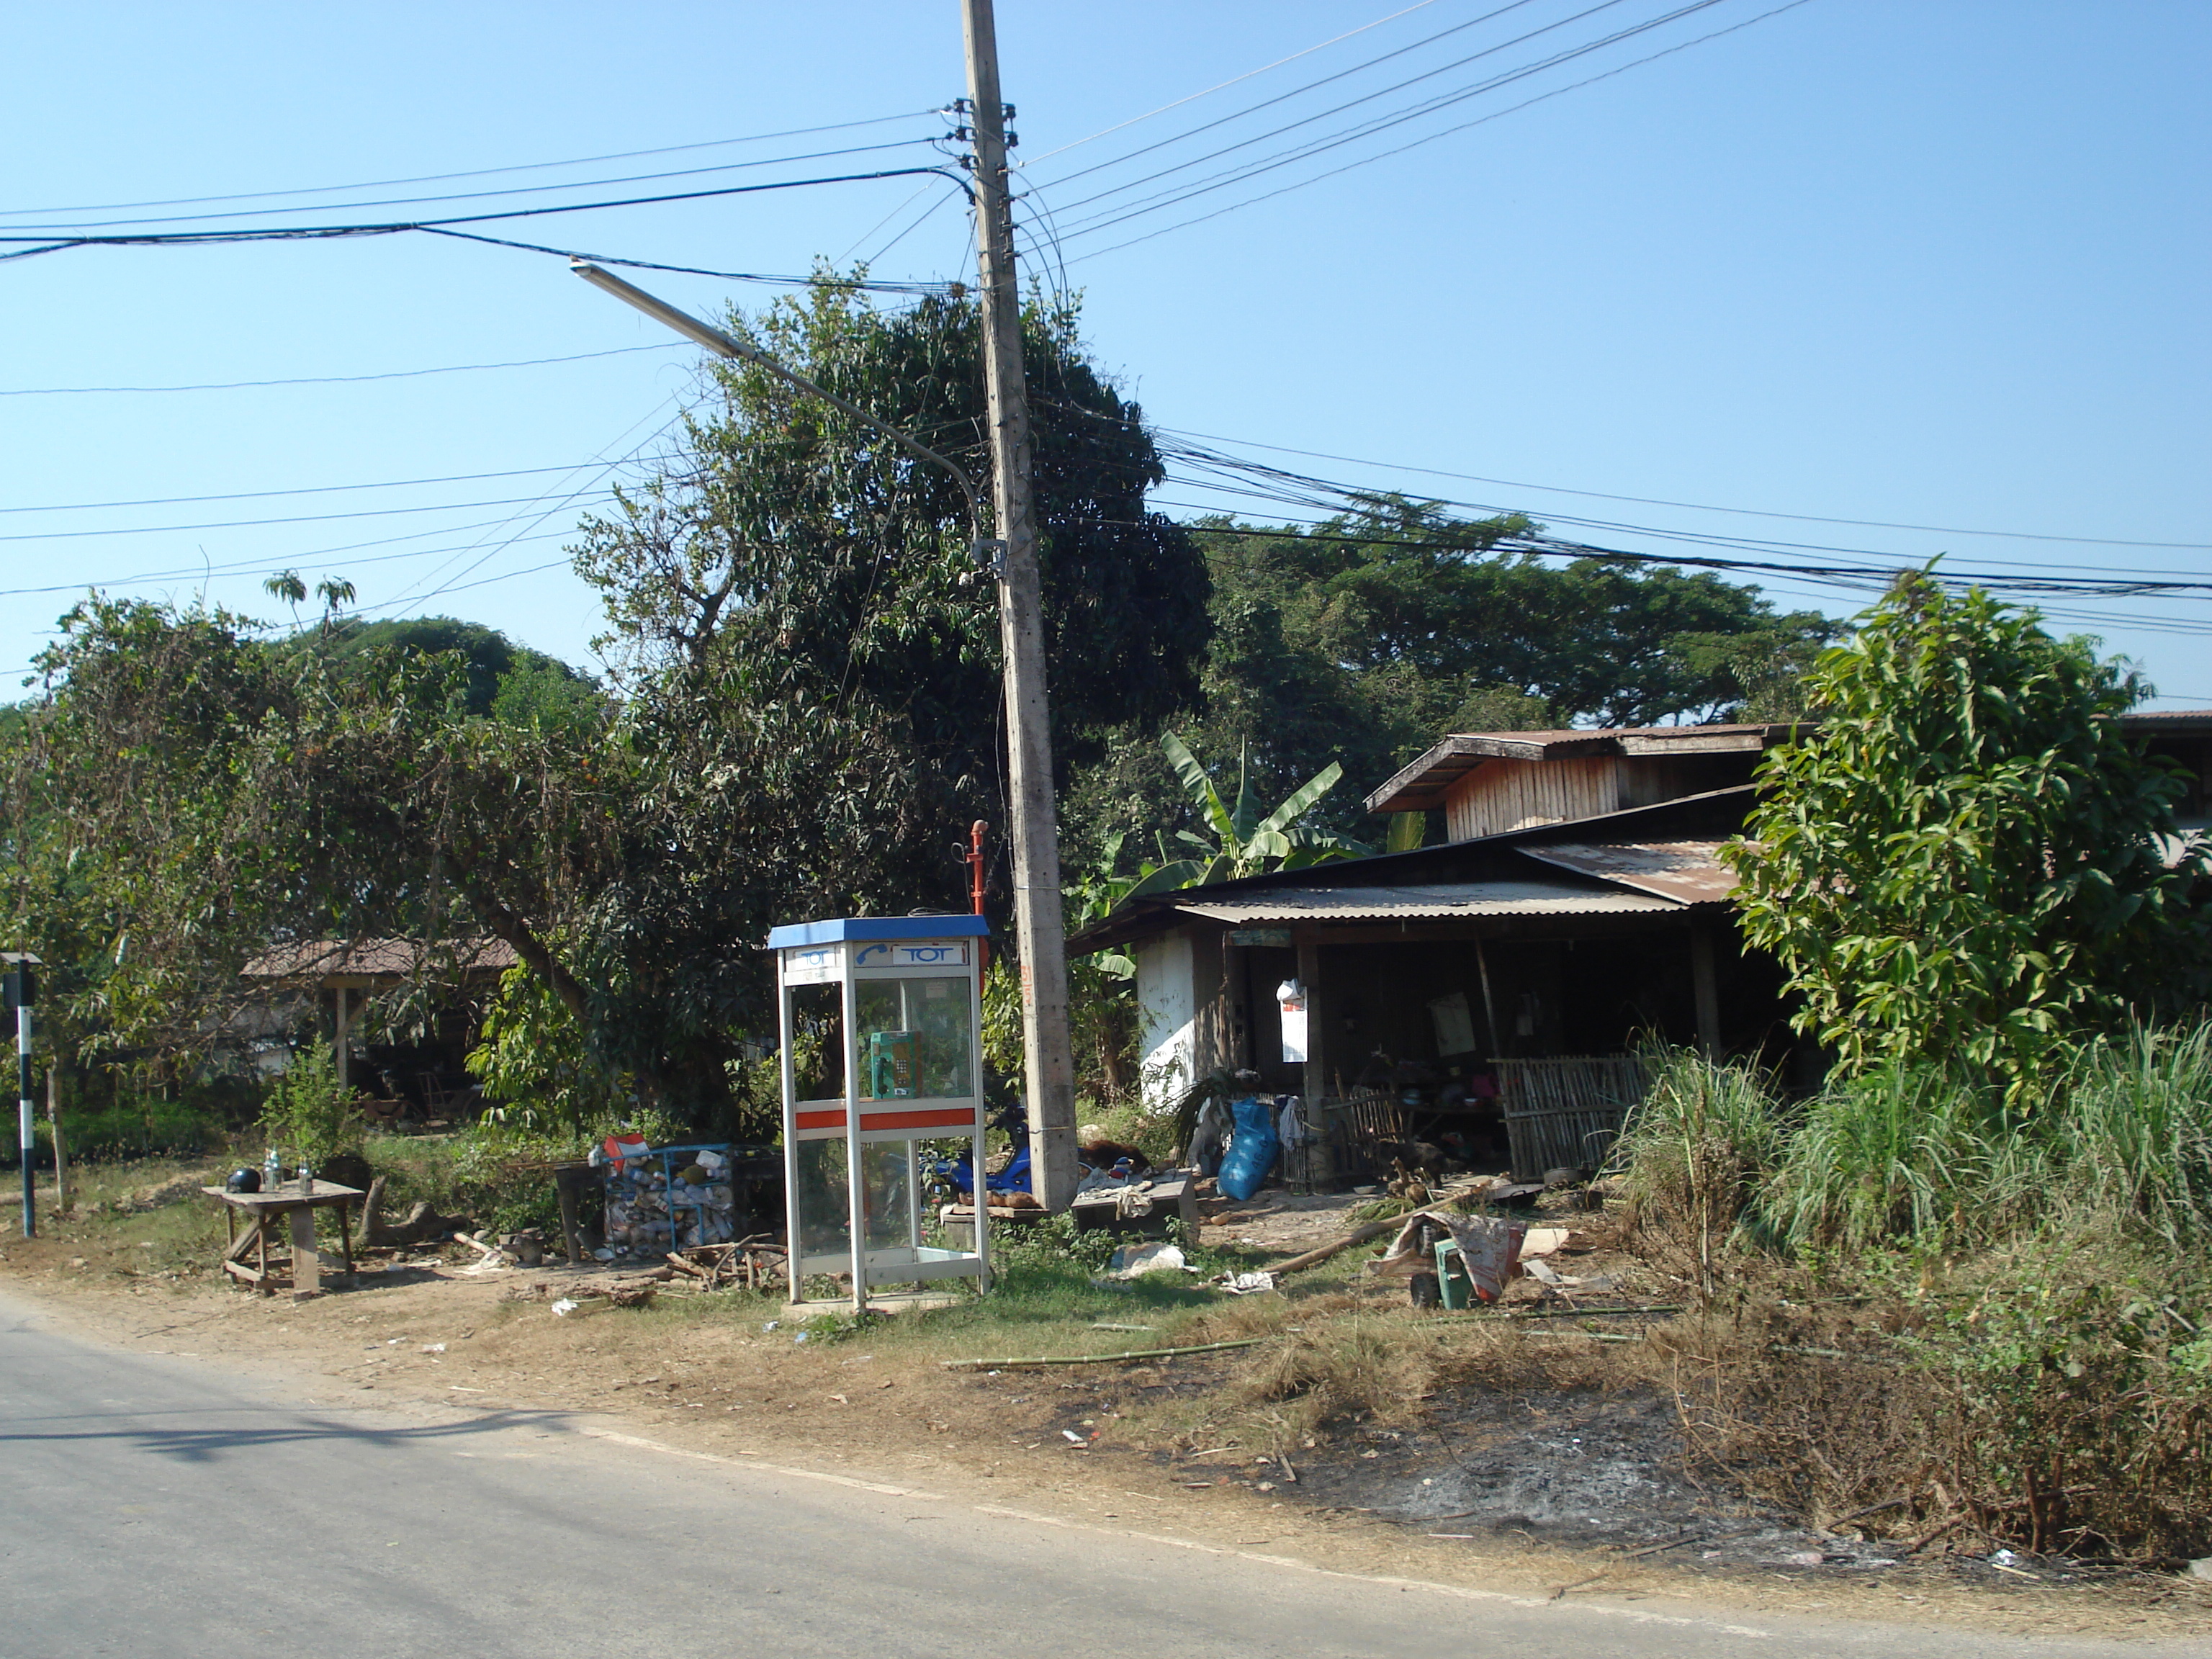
column 262, row 1221
column 306, row 1265
column 345, row 1236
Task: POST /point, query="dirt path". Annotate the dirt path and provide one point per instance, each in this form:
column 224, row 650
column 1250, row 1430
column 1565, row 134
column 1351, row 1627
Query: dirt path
column 715, row 1376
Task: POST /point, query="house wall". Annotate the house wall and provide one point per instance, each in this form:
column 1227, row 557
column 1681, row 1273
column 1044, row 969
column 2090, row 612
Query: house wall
column 1503, row 795
column 1168, row 1003
column 1510, row 794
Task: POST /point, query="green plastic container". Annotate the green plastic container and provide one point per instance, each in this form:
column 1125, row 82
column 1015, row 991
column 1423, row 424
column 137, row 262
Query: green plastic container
column 1451, row 1277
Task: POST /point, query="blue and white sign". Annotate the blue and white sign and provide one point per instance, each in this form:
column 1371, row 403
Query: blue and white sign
column 913, row 953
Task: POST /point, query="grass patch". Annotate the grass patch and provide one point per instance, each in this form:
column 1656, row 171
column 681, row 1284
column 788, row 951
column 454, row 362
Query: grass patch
column 1915, row 1293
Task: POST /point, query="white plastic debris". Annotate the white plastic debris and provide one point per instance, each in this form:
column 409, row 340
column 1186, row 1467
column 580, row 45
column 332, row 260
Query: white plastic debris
column 771, row 1324
column 433, row 1348
column 1147, row 1258
column 566, row 1305
column 1247, row 1284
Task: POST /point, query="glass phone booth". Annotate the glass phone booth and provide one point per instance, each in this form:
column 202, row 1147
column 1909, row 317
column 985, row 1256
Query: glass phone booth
column 882, row 1048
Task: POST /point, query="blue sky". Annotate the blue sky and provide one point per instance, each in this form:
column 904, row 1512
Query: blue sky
column 1935, row 263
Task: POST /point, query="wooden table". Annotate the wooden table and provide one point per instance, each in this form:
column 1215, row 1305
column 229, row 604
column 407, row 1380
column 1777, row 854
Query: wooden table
column 264, row 1211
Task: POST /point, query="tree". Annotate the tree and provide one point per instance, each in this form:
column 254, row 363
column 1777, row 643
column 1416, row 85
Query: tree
column 1365, row 639
column 185, row 793
column 1966, row 861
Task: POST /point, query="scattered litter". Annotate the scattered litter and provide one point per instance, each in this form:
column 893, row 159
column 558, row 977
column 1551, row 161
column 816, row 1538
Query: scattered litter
column 602, row 1254
column 1545, row 1274
column 2004, row 1558
column 566, row 1305
column 1100, row 1325
column 799, row 1336
column 1147, row 1258
column 1542, row 1241
column 841, row 1399
column 1073, row 1437
column 433, row 1348
column 1804, row 1558
column 771, row 1324
column 1246, row 1284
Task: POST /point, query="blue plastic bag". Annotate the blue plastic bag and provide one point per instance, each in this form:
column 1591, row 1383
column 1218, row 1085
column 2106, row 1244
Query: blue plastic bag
column 1251, row 1150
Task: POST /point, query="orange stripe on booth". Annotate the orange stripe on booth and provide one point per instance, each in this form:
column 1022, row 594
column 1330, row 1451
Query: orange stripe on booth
column 935, row 1117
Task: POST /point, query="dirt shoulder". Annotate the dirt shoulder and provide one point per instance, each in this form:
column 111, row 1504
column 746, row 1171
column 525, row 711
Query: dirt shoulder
column 1537, row 1490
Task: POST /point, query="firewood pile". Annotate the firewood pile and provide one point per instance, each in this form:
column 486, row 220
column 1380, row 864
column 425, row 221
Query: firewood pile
column 749, row 1263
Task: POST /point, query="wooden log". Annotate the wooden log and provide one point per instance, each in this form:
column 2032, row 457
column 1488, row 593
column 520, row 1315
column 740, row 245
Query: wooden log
column 1098, row 1358
column 1357, row 1236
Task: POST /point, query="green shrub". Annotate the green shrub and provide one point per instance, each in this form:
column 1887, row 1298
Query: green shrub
column 308, row 1113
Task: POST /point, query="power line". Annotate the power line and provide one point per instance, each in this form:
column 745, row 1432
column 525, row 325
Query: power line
column 480, row 195
column 1235, row 80
column 1427, row 138
column 310, row 233
column 476, row 173
column 1859, row 576
column 333, row 379
column 1334, row 109
column 304, row 489
column 262, row 567
column 1243, row 171
column 246, row 523
column 1694, row 507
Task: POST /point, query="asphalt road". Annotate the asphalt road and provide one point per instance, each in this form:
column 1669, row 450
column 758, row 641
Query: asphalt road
column 154, row 1506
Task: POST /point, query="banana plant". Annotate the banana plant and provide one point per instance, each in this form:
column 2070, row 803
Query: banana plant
column 1246, row 844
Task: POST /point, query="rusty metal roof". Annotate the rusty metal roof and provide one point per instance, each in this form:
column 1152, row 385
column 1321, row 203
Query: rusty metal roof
column 372, row 958
column 1687, row 872
column 1429, row 902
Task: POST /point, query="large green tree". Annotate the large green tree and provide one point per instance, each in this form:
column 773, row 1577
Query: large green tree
column 1363, row 640
column 187, row 792
column 1968, row 861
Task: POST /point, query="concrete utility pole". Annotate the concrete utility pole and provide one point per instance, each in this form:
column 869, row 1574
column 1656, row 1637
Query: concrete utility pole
column 1040, row 932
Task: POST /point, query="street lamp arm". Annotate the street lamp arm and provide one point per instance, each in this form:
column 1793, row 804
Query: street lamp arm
column 728, row 346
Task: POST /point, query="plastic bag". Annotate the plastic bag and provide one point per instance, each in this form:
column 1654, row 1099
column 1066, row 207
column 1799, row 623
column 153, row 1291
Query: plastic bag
column 1251, row 1152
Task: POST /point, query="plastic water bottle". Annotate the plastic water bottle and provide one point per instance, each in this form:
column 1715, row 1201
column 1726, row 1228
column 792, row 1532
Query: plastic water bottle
column 272, row 1171
column 306, row 1174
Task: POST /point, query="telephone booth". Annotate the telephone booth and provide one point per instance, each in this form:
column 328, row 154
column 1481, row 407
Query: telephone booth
column 881, row 1021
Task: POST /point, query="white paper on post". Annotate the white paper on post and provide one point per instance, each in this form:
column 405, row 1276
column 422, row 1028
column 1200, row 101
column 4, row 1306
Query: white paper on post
column 1290, row 1001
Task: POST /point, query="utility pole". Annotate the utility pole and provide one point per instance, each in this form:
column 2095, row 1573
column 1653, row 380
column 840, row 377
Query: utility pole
column 1040, row 932
column 21, row 991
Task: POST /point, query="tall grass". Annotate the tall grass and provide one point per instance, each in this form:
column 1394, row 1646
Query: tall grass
column 2031, row 1354
column 2132, row 1132
column 2121, row 1140
column 1696, row 1150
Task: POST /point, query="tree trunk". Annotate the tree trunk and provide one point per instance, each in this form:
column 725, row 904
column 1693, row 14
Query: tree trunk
column 368, row 1231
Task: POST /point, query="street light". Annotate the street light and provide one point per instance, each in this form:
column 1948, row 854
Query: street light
column 986, row 551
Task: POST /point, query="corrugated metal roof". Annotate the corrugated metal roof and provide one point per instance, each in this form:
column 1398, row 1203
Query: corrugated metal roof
column 1436, row 901
column 1688, row 872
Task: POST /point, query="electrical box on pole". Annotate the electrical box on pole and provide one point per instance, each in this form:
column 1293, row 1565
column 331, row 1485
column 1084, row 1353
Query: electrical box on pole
column 1040, row 932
